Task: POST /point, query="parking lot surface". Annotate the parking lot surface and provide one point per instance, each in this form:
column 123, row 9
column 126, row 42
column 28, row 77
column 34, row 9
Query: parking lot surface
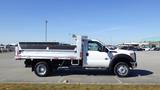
column 147, row 72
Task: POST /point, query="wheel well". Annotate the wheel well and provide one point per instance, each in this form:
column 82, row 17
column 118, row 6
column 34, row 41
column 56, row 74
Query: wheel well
column 125, row 60
column 35, row 61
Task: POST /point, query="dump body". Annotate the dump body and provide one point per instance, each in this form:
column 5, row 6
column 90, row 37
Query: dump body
column 50, row 50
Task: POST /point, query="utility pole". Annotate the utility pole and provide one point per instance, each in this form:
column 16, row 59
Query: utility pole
column 46, row 22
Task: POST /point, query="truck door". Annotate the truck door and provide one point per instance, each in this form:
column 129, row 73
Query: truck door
column 96, row 57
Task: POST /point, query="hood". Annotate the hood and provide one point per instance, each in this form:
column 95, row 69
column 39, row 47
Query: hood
column 120, row 51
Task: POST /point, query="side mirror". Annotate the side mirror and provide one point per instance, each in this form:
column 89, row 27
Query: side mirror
column 100, row 49
column 104, row 49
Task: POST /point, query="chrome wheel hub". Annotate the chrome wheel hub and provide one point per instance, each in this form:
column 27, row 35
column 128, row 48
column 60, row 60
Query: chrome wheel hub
column 41, row 69
column 122, row 70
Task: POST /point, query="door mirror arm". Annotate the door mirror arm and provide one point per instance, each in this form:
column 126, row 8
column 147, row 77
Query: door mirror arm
column 100, row 49
column 105, row 49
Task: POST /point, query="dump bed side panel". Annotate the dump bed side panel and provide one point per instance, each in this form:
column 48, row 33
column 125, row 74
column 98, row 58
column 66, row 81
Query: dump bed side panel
column 44, row 45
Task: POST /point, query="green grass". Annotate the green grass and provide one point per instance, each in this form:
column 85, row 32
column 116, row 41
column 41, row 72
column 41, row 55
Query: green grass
column 76, row 87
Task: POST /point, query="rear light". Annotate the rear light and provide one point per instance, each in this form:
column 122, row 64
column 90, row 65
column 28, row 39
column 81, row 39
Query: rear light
column 19, row 52
column 18, row 56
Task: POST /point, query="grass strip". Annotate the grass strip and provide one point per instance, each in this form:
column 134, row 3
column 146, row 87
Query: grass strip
column 76, row 87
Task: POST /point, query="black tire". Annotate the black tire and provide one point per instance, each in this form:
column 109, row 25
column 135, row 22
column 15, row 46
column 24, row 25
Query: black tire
column 42, row 69
column 121, row 69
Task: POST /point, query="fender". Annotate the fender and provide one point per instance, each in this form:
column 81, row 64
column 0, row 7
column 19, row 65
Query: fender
column 120, row 57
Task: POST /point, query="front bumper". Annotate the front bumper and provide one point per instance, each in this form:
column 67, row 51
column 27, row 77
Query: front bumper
column 133, row 64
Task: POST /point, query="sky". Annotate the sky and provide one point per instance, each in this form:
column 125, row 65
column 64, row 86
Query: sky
column 111, row 21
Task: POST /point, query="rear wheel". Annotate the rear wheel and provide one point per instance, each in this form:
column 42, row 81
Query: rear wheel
column 42, row 69
column 121, row 69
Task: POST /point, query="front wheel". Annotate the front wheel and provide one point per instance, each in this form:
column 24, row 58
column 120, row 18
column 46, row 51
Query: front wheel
column 41, row 69
column 121, row 69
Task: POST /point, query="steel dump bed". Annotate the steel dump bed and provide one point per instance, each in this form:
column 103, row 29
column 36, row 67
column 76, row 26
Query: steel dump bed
column 49, row 50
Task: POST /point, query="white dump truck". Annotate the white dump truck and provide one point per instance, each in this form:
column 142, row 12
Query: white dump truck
column 45, row 57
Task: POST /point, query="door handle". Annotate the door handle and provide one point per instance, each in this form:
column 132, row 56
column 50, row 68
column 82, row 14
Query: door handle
column 106, row 58
column 87, row 54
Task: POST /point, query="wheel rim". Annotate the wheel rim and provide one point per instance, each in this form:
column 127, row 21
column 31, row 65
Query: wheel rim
column 41, row 69
column 122, row 70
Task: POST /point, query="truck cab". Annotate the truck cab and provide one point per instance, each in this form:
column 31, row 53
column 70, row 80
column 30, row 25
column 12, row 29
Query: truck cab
column 118, row 61
column 97, row 55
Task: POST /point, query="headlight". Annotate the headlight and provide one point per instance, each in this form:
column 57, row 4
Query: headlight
column 133, row 55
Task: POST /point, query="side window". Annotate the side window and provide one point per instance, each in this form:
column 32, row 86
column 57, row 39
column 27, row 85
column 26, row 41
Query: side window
column 94, row 46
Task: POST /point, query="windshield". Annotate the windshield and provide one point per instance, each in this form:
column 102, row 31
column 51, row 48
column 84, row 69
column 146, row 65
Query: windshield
column 110, row 47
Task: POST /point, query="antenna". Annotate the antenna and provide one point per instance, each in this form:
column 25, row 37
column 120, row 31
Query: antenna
column 46, row 22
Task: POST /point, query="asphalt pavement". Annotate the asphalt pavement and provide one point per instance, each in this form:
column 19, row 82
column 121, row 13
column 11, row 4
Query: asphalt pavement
column 147, row 72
